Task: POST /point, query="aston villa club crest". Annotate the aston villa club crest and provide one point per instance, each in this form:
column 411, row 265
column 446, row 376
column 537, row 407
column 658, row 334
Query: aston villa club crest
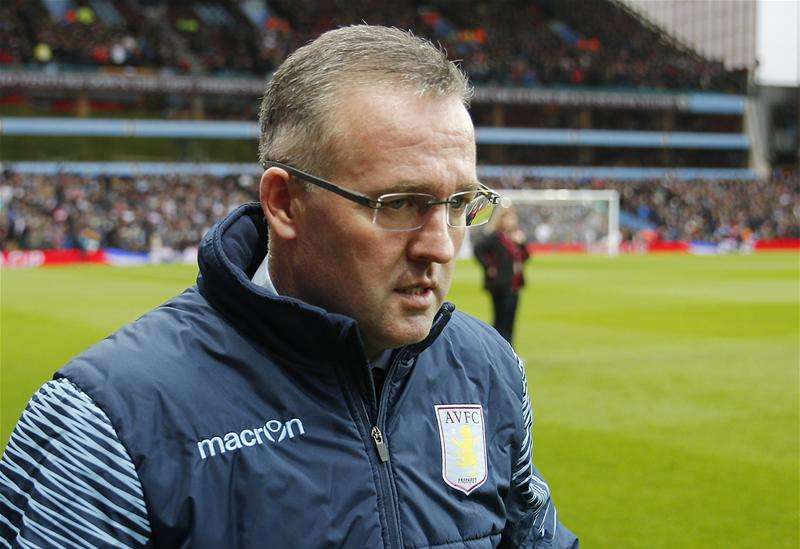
column 463, row 438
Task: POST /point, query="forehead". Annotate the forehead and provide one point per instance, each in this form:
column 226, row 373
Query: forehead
column 393, row 140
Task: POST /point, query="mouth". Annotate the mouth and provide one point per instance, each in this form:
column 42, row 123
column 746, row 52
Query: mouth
column 417, row 296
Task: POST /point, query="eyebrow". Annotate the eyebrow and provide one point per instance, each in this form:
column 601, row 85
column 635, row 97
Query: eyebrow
column 424, row 188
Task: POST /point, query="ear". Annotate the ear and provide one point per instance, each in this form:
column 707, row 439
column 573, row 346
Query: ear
column 276, row 202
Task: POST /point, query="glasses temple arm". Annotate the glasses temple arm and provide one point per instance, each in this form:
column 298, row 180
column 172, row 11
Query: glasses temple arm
column 350, row 195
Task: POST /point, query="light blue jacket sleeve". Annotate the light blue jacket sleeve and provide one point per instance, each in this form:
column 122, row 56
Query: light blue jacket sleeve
column 65, row 478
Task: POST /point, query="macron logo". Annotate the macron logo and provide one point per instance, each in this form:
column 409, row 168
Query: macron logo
column 272, row 431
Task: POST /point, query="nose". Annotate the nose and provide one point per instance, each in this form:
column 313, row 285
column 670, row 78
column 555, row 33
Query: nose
column 435, row 241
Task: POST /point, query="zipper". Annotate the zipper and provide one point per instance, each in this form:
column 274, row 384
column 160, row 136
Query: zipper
column 385, row 393
column 383, row 452
column 388, row 488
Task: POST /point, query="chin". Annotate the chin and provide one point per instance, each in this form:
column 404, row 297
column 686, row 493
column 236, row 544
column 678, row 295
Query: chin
column 398, row 328
column 414, row 332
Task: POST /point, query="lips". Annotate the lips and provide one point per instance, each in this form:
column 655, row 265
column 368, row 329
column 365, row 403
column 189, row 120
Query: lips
column 420, row 295
column 417, row 288
column 413, row 290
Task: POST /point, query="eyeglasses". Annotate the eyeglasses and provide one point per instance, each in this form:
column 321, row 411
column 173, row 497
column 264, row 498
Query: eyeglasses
column 407, row 211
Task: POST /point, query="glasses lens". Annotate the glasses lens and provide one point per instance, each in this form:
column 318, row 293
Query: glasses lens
column 406, row 211
column 402, row 211
column 470, row 209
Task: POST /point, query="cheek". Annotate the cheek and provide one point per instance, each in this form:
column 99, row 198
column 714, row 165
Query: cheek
column 351, row 255
column 376, row 262
column 363, row 259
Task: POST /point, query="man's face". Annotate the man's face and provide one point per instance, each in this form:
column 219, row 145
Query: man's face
column 392, row 283
column 509, row 222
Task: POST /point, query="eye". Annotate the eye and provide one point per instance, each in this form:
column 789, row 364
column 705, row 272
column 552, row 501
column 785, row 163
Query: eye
column 458, row 202
column 396, row 203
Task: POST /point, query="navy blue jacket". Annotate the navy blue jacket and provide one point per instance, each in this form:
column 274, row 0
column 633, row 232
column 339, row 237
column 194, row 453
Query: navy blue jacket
column 252, row 420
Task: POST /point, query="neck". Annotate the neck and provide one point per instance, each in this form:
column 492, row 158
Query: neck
column 281, row 277
column 281, row 274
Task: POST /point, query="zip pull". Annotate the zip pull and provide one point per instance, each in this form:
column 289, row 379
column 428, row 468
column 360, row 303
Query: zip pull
column 383, row 451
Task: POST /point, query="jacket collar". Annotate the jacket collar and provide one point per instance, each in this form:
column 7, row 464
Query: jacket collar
column 229, row 255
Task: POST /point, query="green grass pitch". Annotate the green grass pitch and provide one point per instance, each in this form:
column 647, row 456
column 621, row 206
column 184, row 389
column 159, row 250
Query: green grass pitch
column 665, row 387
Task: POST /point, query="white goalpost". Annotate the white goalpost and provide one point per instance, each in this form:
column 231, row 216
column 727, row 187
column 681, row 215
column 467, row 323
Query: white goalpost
column 587, row 218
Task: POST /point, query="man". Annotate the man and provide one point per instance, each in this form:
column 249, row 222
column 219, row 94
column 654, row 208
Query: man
column 325, row 395
column 503, row 254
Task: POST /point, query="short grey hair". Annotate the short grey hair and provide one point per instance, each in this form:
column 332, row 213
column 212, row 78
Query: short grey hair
column 295, row 117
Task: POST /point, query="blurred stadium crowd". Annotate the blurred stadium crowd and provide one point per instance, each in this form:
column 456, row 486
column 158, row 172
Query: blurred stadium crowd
column 708, row 211
column 513, row 43
column 137, row 214
column 151, row 213
column 568, row 44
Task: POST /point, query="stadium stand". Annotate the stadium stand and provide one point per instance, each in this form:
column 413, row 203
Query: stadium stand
column 136, row 214
column 146, row 212
column 695, row 210
column 516, row 43
column 536, row 65
column 88, row 34
column 569, row 94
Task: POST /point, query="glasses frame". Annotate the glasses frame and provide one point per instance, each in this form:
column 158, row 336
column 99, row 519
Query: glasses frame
column 376, row 204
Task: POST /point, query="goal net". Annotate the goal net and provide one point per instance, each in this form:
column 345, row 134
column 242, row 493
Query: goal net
column 580, row 220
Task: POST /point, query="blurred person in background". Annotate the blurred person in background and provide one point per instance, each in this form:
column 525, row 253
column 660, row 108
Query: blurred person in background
column 314, row 389
column 502, row 254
